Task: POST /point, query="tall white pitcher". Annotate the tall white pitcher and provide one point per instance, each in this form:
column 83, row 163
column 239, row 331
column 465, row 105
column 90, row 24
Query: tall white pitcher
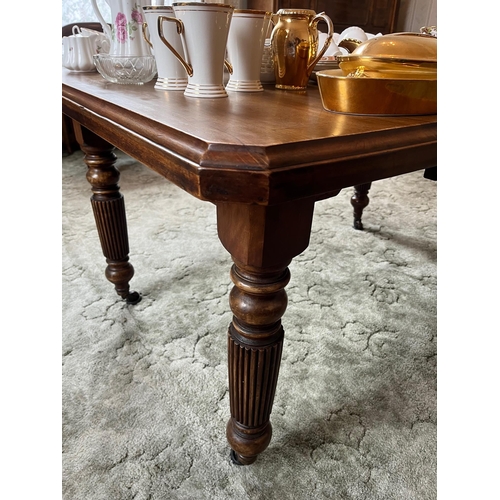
column 125, row 34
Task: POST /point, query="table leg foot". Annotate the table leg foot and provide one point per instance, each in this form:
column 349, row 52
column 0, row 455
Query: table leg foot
column 240, row 460
column 234, row 458
column 359, row 202
column 120, row 273
column 247, row 443
column 133, row 298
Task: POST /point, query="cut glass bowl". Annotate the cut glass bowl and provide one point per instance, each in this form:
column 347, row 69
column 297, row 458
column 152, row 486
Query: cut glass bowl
column 131, row 70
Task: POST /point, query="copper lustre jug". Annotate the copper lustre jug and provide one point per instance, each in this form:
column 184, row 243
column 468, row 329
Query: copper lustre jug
column 294, row 43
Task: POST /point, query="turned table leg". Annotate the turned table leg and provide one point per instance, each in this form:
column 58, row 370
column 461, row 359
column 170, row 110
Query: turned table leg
column 109, row 211
column 255, row 341
column 262, row 241
column 359, row 202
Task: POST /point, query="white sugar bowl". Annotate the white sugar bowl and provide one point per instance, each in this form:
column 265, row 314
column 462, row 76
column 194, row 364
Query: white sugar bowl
column 78, row 51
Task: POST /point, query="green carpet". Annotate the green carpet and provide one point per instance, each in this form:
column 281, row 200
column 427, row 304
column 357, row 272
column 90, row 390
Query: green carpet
column 145, row 400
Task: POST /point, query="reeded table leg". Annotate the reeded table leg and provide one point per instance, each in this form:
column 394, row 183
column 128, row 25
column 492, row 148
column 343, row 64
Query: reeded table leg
column 255, row 341
column 109, row 211
column 262, row 242
column 359, row 202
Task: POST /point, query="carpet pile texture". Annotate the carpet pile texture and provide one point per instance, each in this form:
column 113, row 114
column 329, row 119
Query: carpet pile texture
column 144, row 387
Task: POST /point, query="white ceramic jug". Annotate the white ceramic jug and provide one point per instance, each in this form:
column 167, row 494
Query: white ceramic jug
column 125, row 34
column 203, row 29
column 171, row 73
column 245, row 46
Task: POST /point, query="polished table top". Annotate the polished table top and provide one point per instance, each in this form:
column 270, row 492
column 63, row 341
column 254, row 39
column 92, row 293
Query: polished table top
column 264, row 147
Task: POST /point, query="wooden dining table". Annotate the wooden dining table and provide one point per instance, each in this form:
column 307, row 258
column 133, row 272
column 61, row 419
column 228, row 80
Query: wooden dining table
column 262, row 159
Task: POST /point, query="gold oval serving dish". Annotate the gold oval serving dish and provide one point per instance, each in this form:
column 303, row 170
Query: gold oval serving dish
column 400, row 55
column 376, row 96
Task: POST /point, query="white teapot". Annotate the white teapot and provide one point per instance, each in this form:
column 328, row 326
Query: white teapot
column 125, row 34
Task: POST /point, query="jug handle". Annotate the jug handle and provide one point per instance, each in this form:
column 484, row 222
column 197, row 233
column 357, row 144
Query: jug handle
column 317, row 18
column 274, row 18
column 180, row 31
column 145, row 36
column 228, row 66
column 104, row 24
